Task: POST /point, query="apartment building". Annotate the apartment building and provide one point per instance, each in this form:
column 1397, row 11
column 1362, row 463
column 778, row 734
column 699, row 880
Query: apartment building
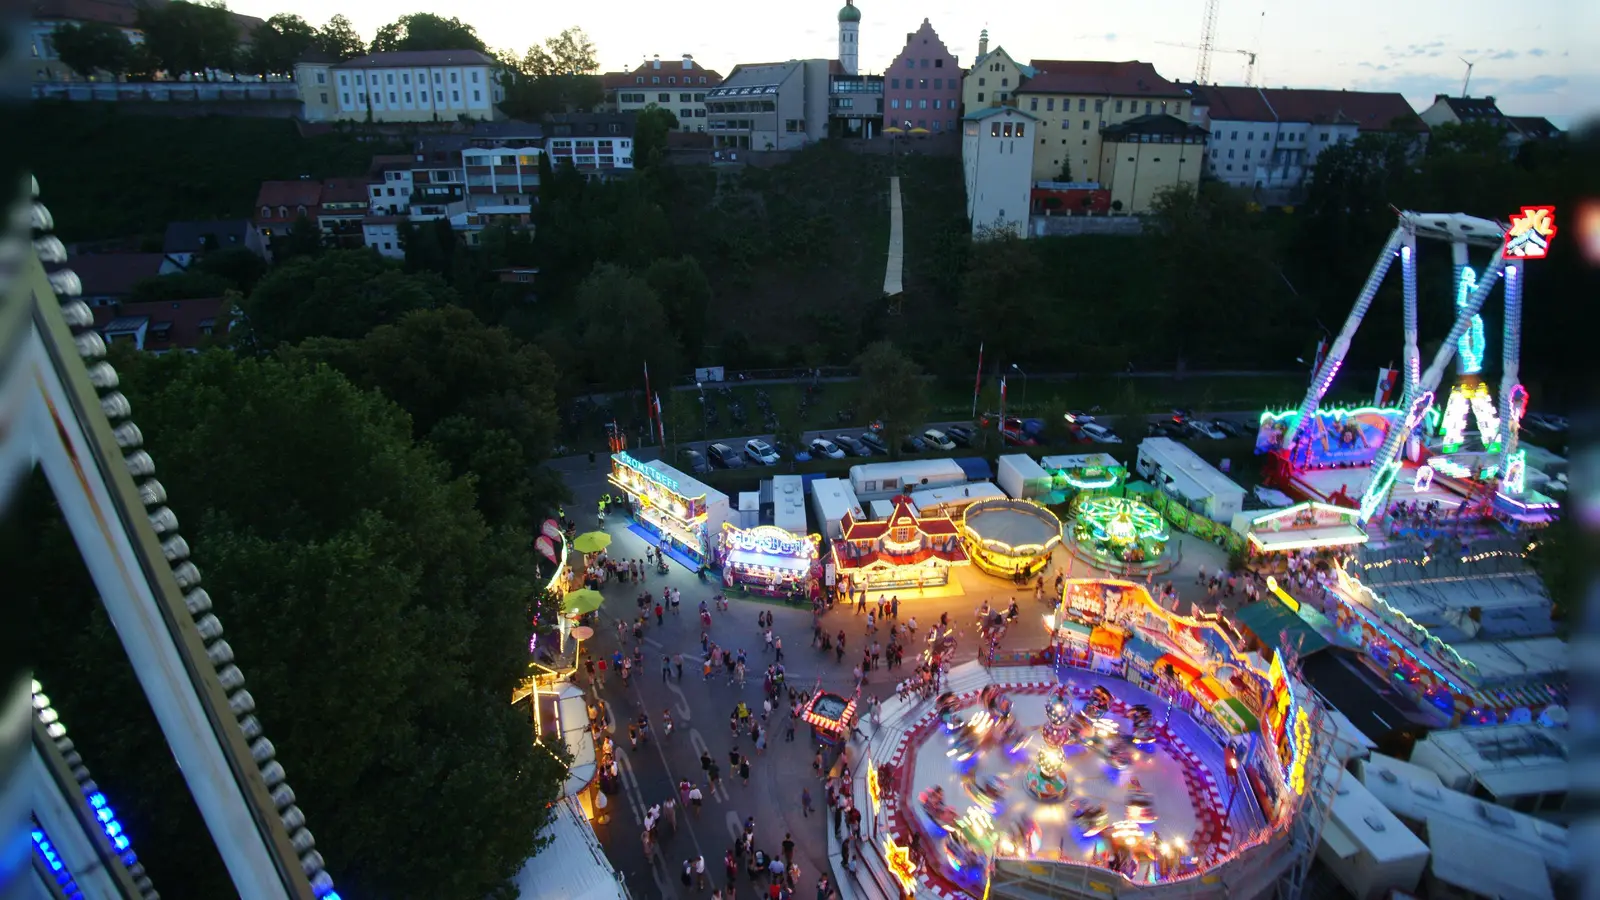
column 993, row 78
column 404, row 86
column 598, row 145
column 855, row 105
column 678, row 86
column 1268, row 139
column 771, row 106
column 1086, row 107
column 1517, row 130
column 922, row 87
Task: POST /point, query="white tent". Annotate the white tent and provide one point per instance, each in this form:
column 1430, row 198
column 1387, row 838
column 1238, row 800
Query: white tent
column 572, row 866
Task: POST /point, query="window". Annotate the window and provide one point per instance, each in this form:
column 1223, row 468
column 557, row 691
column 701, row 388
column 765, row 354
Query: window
column 1230, row 167
column 324, row 99
column 1230, row 156
column 389, row 78
column 1005, row 82
column 283, row 212
column 1233, row 135
column 1085, row 124
column 980, row 81
column 477, row 96
column 1247, row 153
column 1147, row 107
column 405, row 77
column 699, row 98
column 344, row 80
column 321, row 77
column 1119, row 106
column 1216, row 135
column 358, row 79
column 655, row 79
column 938, row 64
column 452, row 77
column 702, row 79
column 922, row 104
column 363, row 96
column 922, row 84
column 938, row 84
column 994, row 129
column 391, row 192
column 436, row 78
column 266, row 212
column 663, row 98
column 1177, row 108
column 1049, row 104
column 672, row 79
column 346, row 100
column 1213, row 154
column 639, row 80
column 684, row 98
column 1033, row 104
column 1082, row 104
column 408, row 96
column 950, row 124
column 936, row 105
column 911, row 64
column 685, row 113
column 980, row 96
column 1324, row 137
column 438, row 96
column 391, row 97
column 701, row 114
column 455, row 96
column 1250, row 135
column 1099, row 106
column 474, row 77
column 894, row 104
column 894, row 83
column 1020, row 126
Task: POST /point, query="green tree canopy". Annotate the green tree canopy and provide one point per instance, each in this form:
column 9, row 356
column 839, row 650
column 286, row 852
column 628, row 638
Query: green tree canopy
column 891, row 390
column 1001, row 295
column 623, row 328
column 381, row 623
column 339, row 39
column 426, row 31
column 91, row 48
column 685, row 293
column 569, row 53
column 484, row 399
column 340, row 294
column 650, row 130
column 190, row 38
column 278, row 43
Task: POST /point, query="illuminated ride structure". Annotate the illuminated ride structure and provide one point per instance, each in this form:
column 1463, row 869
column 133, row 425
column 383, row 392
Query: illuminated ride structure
column 1170, row 763
column 60, row 410
column 1491, row 481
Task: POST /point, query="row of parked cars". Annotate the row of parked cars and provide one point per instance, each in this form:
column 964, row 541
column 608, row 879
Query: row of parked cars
column 757, row 452
column 1182, row 425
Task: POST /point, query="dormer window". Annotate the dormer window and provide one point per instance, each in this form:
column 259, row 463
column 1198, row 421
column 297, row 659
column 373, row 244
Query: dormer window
column 672, row 79
column 266, row 212
column 655, row 79
column 283, row 212
column 300, row 210
column 639, row 80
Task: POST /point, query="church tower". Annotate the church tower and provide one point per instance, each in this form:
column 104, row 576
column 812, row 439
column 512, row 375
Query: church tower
column 849, row 25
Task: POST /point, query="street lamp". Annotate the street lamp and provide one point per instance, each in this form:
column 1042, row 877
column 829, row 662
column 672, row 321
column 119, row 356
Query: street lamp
column 1018, row 370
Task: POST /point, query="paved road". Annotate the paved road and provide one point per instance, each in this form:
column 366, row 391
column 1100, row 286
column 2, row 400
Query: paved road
column 700, row 710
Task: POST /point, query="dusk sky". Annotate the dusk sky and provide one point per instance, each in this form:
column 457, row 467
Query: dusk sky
column 1530, row 59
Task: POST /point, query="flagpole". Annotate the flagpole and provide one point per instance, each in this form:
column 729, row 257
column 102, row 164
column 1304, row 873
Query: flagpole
column 977, row 382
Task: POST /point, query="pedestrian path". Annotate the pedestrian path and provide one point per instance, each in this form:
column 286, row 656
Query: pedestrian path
column 897, row 240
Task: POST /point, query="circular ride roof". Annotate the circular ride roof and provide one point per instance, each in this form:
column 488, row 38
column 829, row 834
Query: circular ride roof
column 1016, row 523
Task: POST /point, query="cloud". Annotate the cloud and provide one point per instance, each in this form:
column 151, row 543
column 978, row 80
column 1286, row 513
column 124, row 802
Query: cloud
column 1433, row 48
column 1504, row 54
column 1538, row 84
column 1537, row 52
column 1111, row 35
column 1376, row 67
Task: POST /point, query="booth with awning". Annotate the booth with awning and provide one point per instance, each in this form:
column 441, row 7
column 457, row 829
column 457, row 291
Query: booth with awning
column 1309, row 525
column 1272, row 623
column 767, row 559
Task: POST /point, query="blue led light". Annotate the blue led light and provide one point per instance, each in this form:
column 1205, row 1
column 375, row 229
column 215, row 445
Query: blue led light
column 46, row 849
column 1472, row 343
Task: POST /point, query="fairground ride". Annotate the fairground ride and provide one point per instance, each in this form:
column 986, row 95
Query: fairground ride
column 1497, row 475
column 60, row 410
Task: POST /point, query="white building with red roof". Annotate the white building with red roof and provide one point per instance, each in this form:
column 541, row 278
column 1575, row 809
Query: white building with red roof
column 676, row 85
column 903, row 552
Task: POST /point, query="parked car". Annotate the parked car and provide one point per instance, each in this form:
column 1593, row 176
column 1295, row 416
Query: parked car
column 822, row 447
column 1099, row 433
column 876, row 443
column 1231, row 429
column 1078, row 417
column 760, row 452
column 724, row 457
column 693, row 461
column 852, row 444
column 961, row 434
column 935, row 438
column 913, row 444
column 1202, row 428
column 1161, row 429
column 1017, row 437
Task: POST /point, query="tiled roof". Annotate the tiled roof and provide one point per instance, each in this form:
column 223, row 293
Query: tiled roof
column 509, row 128
column 1112, row 79
column 344, row 190
column 121, row 13
column 289, row 193
column 1027, row 71
column 190, row 237
column 172, row 324
column 391, row 162
column 418, row 58
column 1367, row 110
column 987, row 111
column 1159, row 123
column 669, row 68
column 115, row 274
column 1468, row 109
column 1535, row 127
column 589, row 124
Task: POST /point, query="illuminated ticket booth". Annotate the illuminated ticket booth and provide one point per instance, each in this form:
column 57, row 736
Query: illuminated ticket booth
column 671, row 509
column 830, row 717
column 902, row 552
column 769, row 560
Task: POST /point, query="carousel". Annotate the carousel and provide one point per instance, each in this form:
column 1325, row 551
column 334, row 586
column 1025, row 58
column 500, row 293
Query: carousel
column 1120, row 529
column 1009, row 538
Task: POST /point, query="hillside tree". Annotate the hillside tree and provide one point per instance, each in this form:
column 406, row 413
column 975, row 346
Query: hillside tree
column 278, row 43
column 340, row 40
column 190, row 38
column 91, row 48
column 339, row 294
column 623, row 328
column 892, row 390
column 426, row 31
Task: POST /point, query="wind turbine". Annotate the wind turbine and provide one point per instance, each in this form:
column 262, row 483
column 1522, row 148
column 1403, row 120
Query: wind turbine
column 1468, row 80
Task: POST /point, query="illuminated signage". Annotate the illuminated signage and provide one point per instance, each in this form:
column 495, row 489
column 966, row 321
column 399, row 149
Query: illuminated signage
column 1281, row 594
column 874, row 790
column 901, row 865
column 770, row 539
column 649, row 473
column 1531, row 232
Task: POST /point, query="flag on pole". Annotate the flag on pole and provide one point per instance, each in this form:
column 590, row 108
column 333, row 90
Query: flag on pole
column 977, row 383
column 649, row 407
column 1002, row 404
column 661, row 425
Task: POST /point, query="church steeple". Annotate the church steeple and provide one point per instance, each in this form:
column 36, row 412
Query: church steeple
column 849, row 25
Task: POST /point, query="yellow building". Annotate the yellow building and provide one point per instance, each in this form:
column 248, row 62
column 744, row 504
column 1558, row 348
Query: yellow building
column 993, row 79
column 1084, row 106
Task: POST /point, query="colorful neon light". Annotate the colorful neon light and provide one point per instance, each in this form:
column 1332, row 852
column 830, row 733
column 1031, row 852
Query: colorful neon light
column 1281, row 594
column 1516, row 473
column 1472, row 343
column 1531, row 232
column 874, row 789
column 1448, row 467
column 1350, row 587
column 648, row 473
column 771, row 539
column 1423, row 480
column 1455, row 420
column 901, row 865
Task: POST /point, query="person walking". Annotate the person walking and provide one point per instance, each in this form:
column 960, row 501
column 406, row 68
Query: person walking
column 716, row 776
column 677, row 662
column 788, row 849
column 658, row 614
column 695, row 799
column 805, row 801
column 767, row 636
column 744, row 770
column 666, row 667
column 700, row 872
column 730, row 866
column 777, row 646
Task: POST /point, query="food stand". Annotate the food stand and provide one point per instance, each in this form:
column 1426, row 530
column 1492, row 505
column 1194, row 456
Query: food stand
column 903, row 551
column 670, row 507
column 830, row 717
column 768, row 560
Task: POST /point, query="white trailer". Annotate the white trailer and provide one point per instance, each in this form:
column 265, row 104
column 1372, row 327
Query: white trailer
column 1181, row 473
column 789, row 504
column 882, row 481
column 832, row 499
column 950, row 501
column 1022, row 478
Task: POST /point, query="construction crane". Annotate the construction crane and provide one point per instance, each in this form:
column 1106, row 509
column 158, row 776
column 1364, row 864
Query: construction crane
column 1208, row 40
column 1205, row 60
